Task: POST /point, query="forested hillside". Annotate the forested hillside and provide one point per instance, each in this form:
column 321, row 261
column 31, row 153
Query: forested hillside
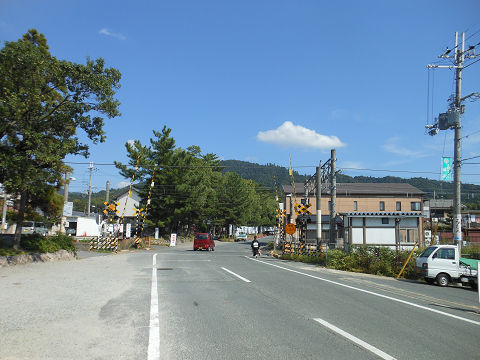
column 264, row 174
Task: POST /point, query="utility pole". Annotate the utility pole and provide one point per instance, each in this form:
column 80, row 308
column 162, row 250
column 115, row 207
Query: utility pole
column 457, row 220
column 65, row 200
column 333, row 197
column 90, row 189
column 319, row 208
column 107, row 196
column 452, row 119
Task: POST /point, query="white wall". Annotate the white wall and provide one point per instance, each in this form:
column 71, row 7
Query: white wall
column 357, row 236
column 381, row 236
column 87, row 227
column 131, row 203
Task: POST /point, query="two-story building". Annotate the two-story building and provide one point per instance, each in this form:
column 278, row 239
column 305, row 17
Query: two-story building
column 377, row 214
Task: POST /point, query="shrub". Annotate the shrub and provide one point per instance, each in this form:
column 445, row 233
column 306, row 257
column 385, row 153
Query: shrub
column 310, row 259
column 44, row 244
column 472, row 252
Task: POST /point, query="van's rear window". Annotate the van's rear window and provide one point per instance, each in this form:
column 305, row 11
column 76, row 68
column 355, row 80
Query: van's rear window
column 201, row 237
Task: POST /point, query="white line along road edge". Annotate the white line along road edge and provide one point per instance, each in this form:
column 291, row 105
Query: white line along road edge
column 154, row 335
column 238, row 276
column 371, row 293
column 356, row 340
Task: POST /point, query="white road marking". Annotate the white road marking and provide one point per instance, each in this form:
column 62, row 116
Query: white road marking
column 166, row 260
column 154, row 335
column 371, row 293
column 238, row 276
column 356, row 340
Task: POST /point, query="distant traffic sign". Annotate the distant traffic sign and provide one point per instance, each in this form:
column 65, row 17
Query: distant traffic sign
column 290, row 229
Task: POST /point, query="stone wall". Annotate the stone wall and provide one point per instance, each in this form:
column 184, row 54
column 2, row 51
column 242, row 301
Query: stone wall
column 31, row 258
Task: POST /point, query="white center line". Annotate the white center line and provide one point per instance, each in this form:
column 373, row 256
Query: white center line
column 356, row 340
column 238, row 276
column 154, row 335
column 371, row 293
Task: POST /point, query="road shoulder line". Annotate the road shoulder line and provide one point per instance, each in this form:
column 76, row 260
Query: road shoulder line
column 371, row 293
column 354, row 339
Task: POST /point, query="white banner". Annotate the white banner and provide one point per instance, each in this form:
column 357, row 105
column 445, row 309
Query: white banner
column 173, row 239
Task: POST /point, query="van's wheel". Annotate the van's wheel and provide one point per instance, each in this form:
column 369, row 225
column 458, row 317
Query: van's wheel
column 429, row 280
column 442, row 280
column 473, row 285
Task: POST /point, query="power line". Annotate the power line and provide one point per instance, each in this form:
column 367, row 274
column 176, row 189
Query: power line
column 472, row 63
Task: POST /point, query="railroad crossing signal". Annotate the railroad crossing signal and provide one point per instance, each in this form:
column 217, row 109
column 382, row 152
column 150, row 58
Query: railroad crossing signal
column 281, row 214
column 302, row 209
column 290, row 229
column 111, row 207
column 138, row 211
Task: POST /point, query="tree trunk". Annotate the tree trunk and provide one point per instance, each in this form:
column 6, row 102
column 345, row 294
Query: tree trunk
column 20, row 218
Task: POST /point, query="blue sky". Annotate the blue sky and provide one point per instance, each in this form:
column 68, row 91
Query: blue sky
column 259, row 80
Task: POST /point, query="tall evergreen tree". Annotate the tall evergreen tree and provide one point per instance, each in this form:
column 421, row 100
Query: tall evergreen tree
column 43, row 103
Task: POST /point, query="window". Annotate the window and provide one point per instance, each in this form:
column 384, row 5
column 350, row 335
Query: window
column 384, row 220
column 382, row 205
column 445, row 253
column 409, row 235
column 415, row 205
column 355, row 206
column 399, row 206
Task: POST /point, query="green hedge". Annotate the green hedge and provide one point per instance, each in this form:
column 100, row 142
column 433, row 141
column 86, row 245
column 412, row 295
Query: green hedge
column 44, row 244
column 369, row 260
column 471, row 252
column 372, row 260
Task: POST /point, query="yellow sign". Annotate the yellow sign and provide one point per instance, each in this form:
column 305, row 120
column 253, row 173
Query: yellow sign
column 290, row 229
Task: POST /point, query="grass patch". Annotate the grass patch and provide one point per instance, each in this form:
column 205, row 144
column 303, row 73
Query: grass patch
column 11, row 252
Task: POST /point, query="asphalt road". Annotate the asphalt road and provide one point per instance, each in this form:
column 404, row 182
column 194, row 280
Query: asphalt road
column 174, row 303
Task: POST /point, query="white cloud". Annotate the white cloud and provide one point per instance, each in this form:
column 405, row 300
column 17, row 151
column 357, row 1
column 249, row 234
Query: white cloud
column 107, row 32
column 123, row 184
column 392, row 145
column 351, row 165
column 289, row 134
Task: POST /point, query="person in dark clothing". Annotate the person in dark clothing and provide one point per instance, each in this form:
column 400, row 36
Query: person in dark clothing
column 255, row 246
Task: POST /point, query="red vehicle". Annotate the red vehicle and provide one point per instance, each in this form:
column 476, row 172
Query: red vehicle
column 203, row 241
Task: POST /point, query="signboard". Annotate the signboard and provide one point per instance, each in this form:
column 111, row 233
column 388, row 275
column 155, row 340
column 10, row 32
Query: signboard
column 68, row 208
column 128, row 230
column 446, row 169
column 290, row 229
column 173, row 239
column 156, row 233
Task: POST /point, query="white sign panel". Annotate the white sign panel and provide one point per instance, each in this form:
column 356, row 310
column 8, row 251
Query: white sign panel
column 128, row 230
column 68, row 208
column 156, row 233
column 173, row 239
